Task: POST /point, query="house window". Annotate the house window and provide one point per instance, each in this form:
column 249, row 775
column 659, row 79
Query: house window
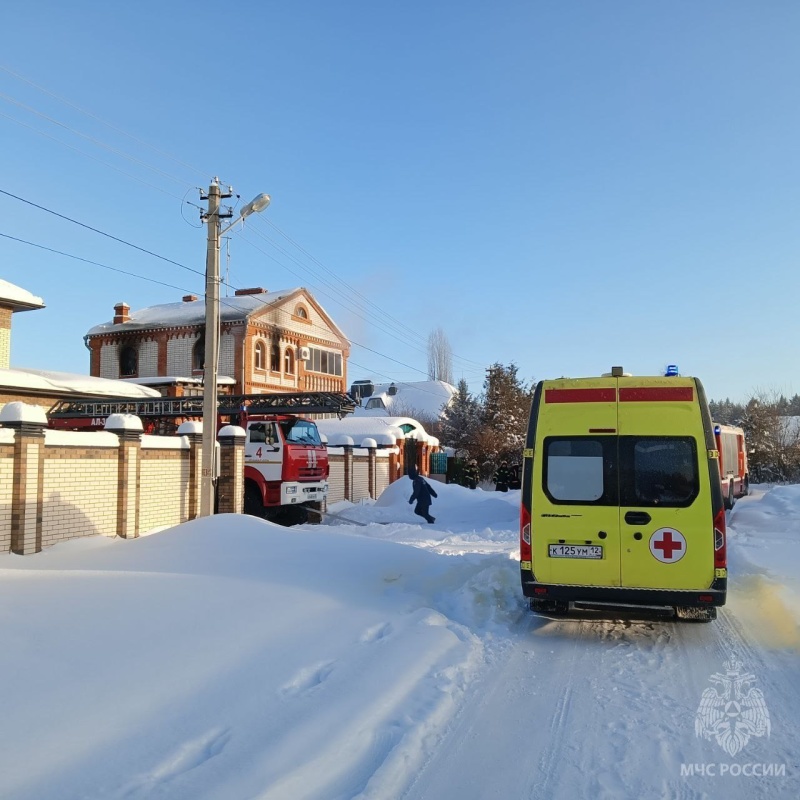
column 275, row 358
column 325, row 361
column 375, row 402
column 288, row 361
column 301, row 312
column 128, row 361
column 261, row 356
column 199, row 354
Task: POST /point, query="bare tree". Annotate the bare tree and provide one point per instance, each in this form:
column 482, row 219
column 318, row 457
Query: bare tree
column 440, row 357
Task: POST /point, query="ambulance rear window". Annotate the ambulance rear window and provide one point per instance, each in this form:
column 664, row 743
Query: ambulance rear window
column 577, row 470
column 658, row 471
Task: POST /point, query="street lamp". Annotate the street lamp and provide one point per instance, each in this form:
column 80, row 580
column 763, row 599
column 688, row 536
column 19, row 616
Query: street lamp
column 211, row 355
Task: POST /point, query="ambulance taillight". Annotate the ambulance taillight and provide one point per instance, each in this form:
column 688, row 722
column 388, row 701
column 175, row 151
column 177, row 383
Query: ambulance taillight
column 524, row 534
column 720, row 548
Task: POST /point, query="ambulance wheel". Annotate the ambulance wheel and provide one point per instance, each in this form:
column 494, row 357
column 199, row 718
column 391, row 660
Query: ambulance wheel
column 548, row 606
column 696, row 613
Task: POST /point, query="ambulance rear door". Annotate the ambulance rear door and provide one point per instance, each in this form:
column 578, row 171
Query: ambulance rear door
column 666, row 531
column 575, row 514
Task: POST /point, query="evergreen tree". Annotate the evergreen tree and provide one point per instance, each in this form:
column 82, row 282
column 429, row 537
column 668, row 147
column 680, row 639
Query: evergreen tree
column 461, row 420
column 726, row 412
column 506, row 408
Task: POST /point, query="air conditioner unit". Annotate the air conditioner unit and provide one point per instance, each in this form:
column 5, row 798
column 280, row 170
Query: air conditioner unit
column 303, row 353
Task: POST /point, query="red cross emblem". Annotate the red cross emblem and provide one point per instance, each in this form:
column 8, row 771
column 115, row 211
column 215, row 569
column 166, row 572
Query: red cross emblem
column 668, row 545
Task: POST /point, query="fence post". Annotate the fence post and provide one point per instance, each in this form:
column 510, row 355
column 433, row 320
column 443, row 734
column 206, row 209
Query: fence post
column 28, row 423
column 230, row 486
column 193, row 431
column 371, row 446
column 128, row 429
column 422, row 457
column 348, row 470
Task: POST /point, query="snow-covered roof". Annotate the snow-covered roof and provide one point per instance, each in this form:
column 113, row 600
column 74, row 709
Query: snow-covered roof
column 68, row 382
column 363, row 427
column 176, row 315
column 21, row 299
column 424, row 397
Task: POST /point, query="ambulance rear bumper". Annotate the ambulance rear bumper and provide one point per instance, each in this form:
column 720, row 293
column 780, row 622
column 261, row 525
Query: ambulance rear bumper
column 714, row 596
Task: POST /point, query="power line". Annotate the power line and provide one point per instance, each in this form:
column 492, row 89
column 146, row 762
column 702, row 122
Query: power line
column 222, row 301
column 86, row 155
column 353, row 289
column 348, row 304
column 98, row 119
column 395, row 323
column 382, row 315
column 94, row 263
column 102, row 233
column 91, row 139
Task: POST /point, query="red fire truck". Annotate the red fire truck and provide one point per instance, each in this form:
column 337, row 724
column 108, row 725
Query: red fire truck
column 733, row 471
column 286, row 463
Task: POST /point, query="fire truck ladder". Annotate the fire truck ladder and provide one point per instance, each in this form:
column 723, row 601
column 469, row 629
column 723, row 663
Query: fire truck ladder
column 280, row 403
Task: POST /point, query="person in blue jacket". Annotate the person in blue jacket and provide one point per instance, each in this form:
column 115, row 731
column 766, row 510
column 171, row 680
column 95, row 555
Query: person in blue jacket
column 422, row 493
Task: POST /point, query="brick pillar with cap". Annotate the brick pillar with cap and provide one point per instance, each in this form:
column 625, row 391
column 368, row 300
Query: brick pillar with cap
column 28, row 423
column 230, row 485
column 128, row 429
column 193, row 431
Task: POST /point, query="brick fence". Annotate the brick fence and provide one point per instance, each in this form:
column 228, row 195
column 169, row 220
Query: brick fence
column 59, row 485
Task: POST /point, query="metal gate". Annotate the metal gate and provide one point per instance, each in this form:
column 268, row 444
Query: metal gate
column 410, row 453
column 438, row 464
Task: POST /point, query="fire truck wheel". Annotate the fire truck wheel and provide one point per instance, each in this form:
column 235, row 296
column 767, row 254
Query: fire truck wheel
column 729, row 499
column 295, row 515
column 252, row 500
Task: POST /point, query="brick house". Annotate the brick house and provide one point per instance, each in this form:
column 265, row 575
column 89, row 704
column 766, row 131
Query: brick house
column 269, row 342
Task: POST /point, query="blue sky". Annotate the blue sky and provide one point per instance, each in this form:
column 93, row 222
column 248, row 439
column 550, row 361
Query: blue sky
column 564, row 185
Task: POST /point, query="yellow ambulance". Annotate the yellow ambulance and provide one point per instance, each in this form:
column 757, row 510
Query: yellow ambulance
column 621, row 497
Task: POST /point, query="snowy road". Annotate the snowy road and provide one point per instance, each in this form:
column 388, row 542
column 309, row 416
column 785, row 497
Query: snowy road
column 605, row 709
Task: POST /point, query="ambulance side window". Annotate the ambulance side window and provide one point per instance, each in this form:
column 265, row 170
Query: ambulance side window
column 658, row 471
column 580, row 470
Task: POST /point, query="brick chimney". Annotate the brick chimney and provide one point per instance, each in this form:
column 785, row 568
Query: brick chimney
column 189, row 298
column 121, row 313
column 254, row 290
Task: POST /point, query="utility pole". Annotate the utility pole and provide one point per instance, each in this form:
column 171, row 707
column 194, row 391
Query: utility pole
column 211, row 352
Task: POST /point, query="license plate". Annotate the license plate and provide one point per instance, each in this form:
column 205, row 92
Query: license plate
column 575, row 551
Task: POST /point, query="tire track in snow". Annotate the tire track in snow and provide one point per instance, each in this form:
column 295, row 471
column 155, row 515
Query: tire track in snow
column 592, row 706
column 559, row 722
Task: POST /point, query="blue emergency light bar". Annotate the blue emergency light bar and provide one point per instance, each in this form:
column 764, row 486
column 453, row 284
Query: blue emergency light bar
column 672, row 371
column 717, row 430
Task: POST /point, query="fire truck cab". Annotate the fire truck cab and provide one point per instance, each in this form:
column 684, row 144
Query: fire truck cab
column 286, row 466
